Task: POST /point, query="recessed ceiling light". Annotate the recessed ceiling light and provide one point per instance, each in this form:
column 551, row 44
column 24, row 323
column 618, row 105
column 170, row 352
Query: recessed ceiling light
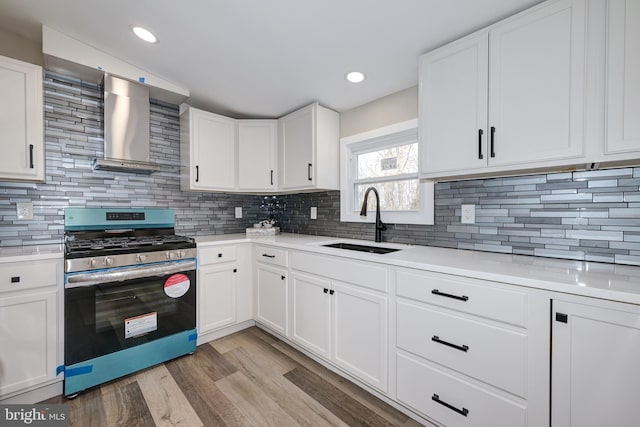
column 355, row 77
column 144, row 34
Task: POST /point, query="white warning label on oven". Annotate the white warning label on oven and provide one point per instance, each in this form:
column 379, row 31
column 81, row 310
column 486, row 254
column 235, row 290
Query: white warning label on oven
column 140, row 325
column 177, row 285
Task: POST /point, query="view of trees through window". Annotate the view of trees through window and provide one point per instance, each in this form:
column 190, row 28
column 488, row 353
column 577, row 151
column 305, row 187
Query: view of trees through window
column 393, row 172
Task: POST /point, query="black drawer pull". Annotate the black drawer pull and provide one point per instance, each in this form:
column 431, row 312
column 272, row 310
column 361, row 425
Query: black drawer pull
column 30, row 156
column 271, row 176
column 493, row 137
column 444, row 294
column 219, row 255
column 197, row 173
column 309, row 172
column 326, row 291
column 268, row 256
column 480, row 132
column 235, row 270
column 437, row 339
column 15, row 279
column 283, row 277
column 463, row 411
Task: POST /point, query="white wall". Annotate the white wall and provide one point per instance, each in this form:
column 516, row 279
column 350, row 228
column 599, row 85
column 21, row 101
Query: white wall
column 395, row 108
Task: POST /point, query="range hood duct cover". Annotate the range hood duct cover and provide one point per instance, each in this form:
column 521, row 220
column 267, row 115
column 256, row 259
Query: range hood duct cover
column 126, row 127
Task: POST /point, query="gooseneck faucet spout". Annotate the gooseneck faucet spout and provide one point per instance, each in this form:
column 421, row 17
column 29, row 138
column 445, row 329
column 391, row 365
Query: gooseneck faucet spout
column 363, row 212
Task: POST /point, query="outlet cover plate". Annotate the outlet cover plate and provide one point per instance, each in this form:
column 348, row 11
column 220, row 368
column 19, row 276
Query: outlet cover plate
column 468, row 214
column 314, row 212
column 24, row 210
column 238, row 211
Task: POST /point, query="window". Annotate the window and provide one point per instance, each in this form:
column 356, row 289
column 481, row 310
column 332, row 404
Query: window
column 388, row 160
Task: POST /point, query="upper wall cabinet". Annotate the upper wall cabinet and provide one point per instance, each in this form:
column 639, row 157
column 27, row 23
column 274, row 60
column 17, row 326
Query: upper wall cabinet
column 21, row 121
column 623, row 77
column 308, row 149
column 207, row 151
column 257, row 155
column 506, row 98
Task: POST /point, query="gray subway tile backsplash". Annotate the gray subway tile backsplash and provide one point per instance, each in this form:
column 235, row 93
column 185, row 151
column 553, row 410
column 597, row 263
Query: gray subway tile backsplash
column 586, row 215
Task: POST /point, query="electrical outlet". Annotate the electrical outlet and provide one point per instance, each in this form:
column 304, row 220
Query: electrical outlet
column 314, row 212
column 24, row 210
column 468, row 215
column 239, row 212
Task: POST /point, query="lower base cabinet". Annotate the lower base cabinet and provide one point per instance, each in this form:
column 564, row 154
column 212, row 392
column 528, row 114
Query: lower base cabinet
column 271, row 296
column 594, row 365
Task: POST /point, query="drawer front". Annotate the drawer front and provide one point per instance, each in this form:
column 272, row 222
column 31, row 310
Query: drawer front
column 472, row 296
column 16, row 276
column 490, row 354
column 270, row 255
column 216, row 255
column 429, row 391
column 367, row 275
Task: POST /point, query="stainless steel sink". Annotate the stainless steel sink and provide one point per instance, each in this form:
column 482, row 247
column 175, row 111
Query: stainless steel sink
column 361, row 248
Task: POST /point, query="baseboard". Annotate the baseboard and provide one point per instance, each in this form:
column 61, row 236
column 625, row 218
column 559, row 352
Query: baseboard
column 219, row 333
column 36, row 395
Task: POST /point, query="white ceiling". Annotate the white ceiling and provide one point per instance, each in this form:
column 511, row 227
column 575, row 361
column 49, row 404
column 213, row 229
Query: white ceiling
column 265, row 58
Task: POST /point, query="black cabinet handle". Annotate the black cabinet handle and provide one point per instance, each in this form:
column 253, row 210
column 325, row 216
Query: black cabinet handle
column 493, row 135
column 480, row 132
column 31, row 156
column 463, row 411
column 325, row 290
column 268, row 256
column 444, row 294
column 197, row 173
column 437, row 339
column 271, row 176
column 309, row 172
column 283, row 277
column 219, row 255
column 235, row 270
column 331, row 292
column 562, row 318
column 15, row 279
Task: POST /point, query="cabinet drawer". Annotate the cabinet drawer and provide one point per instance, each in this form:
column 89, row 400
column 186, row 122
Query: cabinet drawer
column 28, row 274
column 472, row 296
column 491, row 354
column 270, row 255
column 216, row 255
column 420, row 386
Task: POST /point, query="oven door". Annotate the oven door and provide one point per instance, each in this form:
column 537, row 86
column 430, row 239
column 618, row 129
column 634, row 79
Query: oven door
column 114, row 309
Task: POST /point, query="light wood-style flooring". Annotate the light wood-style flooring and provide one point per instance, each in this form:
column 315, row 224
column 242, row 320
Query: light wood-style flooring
column 249, row 378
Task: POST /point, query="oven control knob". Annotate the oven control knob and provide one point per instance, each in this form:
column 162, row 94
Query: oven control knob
column 108, row 261
column 141, row 257
column 92, row 263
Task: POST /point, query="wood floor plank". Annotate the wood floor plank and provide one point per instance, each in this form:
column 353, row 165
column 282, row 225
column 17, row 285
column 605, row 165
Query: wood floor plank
column 344, row 406
column 166, row 402
column 87, row 410
column 305, row 410
column 211, row 405
column 211, row 363
column 124, row 405
column 374, row 404
column 253, row 402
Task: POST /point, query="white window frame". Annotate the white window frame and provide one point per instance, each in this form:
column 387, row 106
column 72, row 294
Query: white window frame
column 396, row 134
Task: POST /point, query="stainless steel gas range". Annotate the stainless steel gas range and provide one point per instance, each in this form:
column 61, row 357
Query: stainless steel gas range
column 130, row 293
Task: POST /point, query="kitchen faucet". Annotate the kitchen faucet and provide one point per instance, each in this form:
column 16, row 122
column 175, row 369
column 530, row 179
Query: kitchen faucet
column 363, row 212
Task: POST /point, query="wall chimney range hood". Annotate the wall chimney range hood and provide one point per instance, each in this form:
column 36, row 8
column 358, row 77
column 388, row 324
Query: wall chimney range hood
column 126, row 127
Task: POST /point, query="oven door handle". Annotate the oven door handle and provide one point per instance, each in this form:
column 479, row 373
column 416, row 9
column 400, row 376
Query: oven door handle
column 76, row 280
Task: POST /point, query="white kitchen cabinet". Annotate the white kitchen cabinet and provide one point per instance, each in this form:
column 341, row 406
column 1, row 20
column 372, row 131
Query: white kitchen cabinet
column 29, row 328
column 21, row 121
column 308, row 149
column 529, row 70
column 344, row 322
column 207, row 151
column 623, row 78
column 271, row 288
column 257, row 155
column 594, row 363
column 224, row 287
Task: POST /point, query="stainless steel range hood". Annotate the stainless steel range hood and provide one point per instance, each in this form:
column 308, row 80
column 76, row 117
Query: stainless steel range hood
column 126, row 127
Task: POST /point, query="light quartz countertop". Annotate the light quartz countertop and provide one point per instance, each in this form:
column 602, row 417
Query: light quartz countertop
column 607, row 281
column 31, row 252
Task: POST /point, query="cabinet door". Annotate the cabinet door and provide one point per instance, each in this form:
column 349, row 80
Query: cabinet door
column 453, row 106
column 271, row 297
column 257, row 145
column 21, row 121
column 311, row 325
column 296, row 136
column 536, row 85
column 595, row 373
column 28, row 333
column 217, row 300
column 213, row 163
column 360, row 333
column 623, row 76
